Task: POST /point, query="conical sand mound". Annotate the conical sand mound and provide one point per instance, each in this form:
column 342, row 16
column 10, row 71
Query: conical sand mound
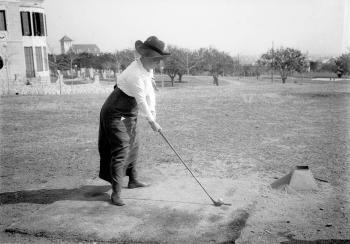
column 299, row 178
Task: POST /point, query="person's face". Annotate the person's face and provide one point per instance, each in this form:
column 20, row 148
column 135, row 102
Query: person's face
column 152, row 63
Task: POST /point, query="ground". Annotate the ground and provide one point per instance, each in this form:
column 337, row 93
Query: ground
column 237, row 137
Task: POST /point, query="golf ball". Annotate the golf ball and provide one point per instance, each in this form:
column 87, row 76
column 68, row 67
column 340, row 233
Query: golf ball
column 221, row 200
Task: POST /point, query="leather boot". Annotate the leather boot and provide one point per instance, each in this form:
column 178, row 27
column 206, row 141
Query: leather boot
column 136, row 184
column 116, row 192
column 116, row 200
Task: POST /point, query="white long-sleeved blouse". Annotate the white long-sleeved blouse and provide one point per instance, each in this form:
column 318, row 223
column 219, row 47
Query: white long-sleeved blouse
column 136, row 81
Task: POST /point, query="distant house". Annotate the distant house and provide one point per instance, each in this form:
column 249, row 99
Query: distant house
column 68, row 46
column 23, row 46
column 85, row 48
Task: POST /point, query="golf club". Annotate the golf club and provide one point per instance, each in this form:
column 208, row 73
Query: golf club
column 217, row 203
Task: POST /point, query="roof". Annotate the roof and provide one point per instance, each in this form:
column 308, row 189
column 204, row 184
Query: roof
column 66, row 39
column 85, row 48
column 32, row 1
column 28, row 3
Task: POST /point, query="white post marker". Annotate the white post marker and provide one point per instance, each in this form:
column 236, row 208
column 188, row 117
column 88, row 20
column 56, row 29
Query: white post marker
column 161, row 72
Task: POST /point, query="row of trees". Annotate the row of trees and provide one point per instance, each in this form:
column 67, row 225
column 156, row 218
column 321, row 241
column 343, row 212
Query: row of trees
column 210, row 61
column 116, row 62
column 339, row 65
column 182, row 61
column 287, row 61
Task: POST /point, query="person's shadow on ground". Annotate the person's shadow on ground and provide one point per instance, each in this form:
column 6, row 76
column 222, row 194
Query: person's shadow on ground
column 331, row 241
column 47, row 196
column 323, row 241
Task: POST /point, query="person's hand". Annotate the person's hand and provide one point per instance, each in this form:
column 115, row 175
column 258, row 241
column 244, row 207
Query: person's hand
column 155, row 126
column 154, row 84
column 154, row 114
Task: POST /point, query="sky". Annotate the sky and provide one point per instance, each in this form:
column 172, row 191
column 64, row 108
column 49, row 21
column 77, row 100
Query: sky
column 238, row 27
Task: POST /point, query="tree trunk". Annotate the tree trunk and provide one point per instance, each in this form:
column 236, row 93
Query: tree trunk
column 284, row 75
column 180, row 78
column 216, row 80
column 172, row 77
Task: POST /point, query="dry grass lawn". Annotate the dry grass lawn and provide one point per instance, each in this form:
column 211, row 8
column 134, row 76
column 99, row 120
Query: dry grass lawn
column 229, row 131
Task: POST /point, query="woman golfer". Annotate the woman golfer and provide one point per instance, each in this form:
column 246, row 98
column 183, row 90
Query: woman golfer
column 118, row 143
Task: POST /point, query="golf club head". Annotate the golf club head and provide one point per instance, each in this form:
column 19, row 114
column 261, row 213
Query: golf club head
column 220, row 202
column 217, row 204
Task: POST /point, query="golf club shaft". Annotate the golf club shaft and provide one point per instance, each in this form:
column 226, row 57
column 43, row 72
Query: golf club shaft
column 161, row 133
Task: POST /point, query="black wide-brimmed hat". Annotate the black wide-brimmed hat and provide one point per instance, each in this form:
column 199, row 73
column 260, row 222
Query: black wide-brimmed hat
column 151, row 48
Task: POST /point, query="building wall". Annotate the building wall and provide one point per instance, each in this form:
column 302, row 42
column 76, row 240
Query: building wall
column 3, row 74
column 65, row 46
column 12, row 43
column 346, row 28
column 3, row 48
column 36, row 41
column 11, row 46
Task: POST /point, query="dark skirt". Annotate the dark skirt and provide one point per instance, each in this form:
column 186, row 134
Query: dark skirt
column 117, row 141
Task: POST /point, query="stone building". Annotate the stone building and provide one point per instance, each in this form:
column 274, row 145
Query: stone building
column 68, row 46
column 23, row 46
column 85, row 48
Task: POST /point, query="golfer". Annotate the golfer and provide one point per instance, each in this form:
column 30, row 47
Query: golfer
column 134, row 93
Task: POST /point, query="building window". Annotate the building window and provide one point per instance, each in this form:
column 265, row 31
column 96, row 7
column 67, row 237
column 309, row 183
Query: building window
column 29, row 59
column 45, row 59
column 39, row 59
column 2, row 21
column 26, row 26
column 38, row 24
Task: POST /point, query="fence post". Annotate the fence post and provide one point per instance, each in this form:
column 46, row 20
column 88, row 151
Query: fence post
column 96, row 79
column 161, row 73
column 60, row 80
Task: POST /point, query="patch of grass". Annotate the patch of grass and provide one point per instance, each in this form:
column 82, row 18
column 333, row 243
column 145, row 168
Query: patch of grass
column 225, row 131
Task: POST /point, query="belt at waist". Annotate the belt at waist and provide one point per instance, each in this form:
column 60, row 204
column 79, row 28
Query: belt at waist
column 120, row 104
